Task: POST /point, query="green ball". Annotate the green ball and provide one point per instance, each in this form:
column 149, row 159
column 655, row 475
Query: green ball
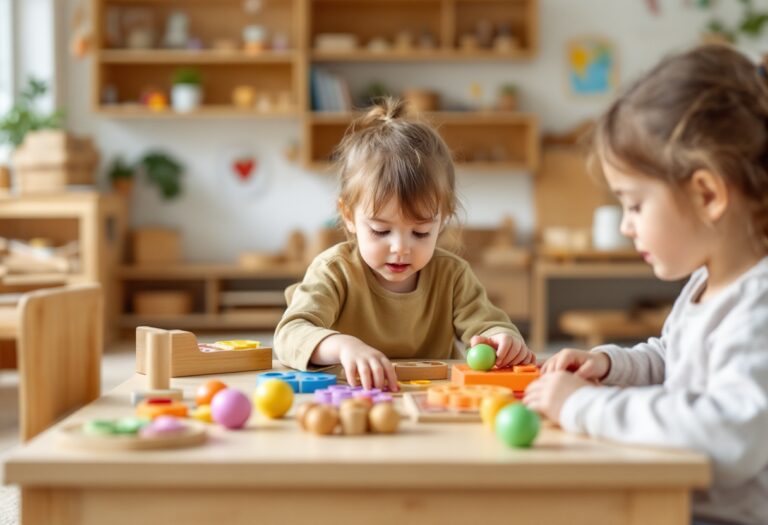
column 516, row 425
column 481, row 357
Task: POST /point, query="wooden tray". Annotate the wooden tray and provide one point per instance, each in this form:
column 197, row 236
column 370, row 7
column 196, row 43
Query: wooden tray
column 416, row 407
column 188, row 360
column 72, row 435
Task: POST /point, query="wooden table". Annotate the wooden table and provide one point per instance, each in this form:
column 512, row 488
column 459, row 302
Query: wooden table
column 271, row 472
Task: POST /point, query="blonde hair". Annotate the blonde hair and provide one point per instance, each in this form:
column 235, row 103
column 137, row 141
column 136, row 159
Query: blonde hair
column 703, row 109
column 386, row 155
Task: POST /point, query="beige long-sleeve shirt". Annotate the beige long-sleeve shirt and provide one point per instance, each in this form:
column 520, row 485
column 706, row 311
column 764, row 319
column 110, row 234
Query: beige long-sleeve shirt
column 340, row 294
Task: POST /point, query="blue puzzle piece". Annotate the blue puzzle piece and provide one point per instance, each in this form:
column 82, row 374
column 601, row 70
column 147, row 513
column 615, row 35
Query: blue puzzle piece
column 301, row 382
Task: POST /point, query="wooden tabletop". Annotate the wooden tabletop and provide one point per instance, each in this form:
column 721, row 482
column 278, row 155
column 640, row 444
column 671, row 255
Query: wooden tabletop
column 277, row 454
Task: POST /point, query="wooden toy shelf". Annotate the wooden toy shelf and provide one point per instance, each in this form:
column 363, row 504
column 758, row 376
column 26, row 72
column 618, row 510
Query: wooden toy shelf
column 222, row 296
column 96, row 221
column 446, row 20
column 479, row 139
column 486, row 141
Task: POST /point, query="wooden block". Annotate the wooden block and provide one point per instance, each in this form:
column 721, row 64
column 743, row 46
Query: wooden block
column 162, row 302
column 415, row 370
column 158, row 360
column 188, row 360
column 516, row 378
column 156, row 246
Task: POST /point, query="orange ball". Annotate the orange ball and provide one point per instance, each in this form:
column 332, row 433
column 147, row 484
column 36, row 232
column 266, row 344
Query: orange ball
column 207, row 390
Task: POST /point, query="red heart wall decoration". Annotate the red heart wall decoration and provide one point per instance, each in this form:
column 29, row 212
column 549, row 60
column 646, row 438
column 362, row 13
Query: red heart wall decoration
column 244, row 167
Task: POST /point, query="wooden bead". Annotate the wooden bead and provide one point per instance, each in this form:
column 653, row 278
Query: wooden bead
column 321, row 419
column 301, row 413
column 383, row 418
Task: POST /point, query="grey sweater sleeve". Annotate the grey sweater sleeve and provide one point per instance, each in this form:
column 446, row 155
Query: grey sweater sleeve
column 727, row 420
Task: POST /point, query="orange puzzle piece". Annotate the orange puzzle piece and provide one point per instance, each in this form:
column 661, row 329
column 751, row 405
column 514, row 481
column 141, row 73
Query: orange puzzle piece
column 517, row 378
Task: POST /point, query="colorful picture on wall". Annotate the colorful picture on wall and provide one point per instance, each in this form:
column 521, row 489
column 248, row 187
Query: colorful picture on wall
column 592, row 67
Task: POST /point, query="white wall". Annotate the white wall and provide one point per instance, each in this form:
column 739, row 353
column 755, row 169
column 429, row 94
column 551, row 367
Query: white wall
column 218, row 221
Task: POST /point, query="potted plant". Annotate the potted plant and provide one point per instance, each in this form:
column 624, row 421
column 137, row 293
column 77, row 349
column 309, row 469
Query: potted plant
column 164, row 171
column 121, row 176
column 186, row 94
column 23, row 116
column 507, row 97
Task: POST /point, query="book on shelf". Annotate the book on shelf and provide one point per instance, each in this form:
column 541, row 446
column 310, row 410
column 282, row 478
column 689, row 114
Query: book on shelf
column 329, row 91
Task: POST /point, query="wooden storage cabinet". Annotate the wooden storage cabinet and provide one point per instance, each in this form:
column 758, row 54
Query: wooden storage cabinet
column 96, row 221
column 222, row 297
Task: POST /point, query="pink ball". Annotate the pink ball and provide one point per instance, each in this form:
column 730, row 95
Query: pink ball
column 230, row 408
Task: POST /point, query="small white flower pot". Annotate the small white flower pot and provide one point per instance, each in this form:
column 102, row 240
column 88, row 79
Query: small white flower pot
column 186, row 97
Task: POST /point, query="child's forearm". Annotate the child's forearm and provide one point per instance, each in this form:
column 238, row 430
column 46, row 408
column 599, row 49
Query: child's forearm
column 327, row 351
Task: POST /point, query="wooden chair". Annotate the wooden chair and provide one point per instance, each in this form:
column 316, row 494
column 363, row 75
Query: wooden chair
column 60, row 343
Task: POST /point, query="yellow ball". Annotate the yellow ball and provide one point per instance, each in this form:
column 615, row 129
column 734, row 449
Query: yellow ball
column 490, row 406
column 273, row 398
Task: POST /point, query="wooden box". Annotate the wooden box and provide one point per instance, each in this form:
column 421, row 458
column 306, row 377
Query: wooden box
column 161, row 302
column 188, row 360
column 156, row 246
column 49, row 160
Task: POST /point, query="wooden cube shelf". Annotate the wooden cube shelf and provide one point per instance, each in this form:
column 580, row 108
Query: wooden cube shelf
column 479, row 140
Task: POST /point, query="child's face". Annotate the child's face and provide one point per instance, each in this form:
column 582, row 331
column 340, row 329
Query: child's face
column 394, row 247
column 670, row 238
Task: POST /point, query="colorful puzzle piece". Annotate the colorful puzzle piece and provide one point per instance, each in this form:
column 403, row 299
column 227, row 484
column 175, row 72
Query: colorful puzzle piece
column 516, row 378
column 301, row 382
column 335, row 394
column 467, row 397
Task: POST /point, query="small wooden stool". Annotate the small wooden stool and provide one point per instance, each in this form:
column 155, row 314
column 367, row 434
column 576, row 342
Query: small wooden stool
column 596, row 327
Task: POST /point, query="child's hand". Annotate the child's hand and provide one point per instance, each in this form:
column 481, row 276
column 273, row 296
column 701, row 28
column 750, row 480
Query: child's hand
column 510, row 350
column 587, row 365
column 547, row 394
column 370, row 365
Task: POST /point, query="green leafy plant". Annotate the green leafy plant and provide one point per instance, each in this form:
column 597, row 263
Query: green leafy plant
column 187, row 75
column 23, row 117
column 508, row 89
column 751, row 23
column 163, row 171
column 160, row 169
column 120, row 169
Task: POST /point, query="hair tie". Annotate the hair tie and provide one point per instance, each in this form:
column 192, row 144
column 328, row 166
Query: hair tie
column 761, row 71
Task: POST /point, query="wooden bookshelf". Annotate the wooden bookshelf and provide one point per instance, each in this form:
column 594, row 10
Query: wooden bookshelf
column 481, row 140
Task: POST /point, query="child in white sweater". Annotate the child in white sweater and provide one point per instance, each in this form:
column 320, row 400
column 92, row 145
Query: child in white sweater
column 686, row 152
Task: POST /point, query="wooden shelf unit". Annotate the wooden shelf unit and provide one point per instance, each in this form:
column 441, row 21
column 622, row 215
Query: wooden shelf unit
column 97, row 221
column 498, row 140
column 223, row 296
column 446, row 20
column 131, row 71
column 482, row 140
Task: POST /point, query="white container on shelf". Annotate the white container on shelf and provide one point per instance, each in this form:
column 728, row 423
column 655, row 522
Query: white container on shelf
column 186, row 97
column 606, row 229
